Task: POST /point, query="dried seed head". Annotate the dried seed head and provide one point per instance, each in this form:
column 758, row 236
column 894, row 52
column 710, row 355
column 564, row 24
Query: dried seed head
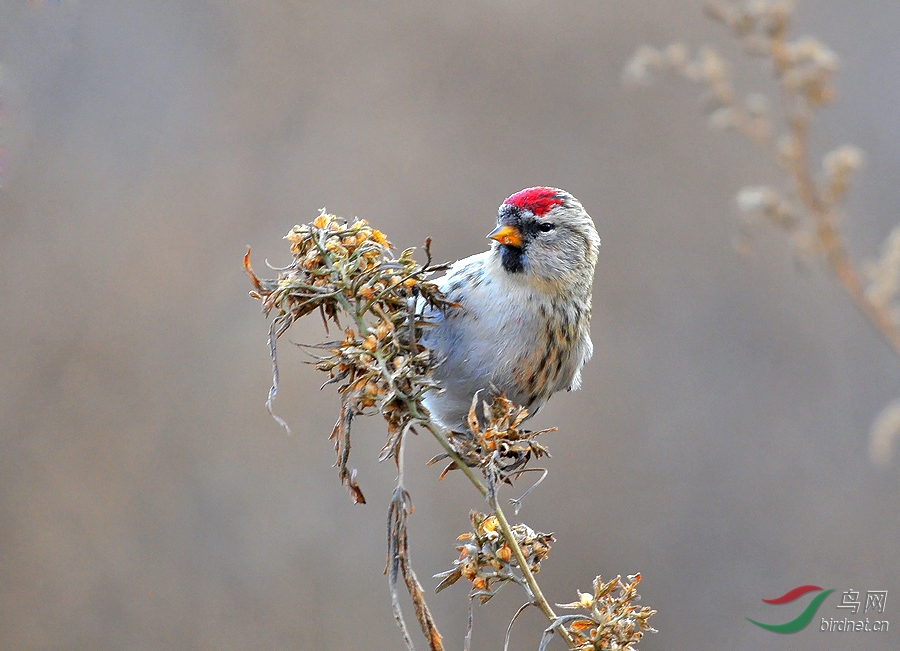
column 486, row 555
column 640, row 68
column 384, row 329
column 713, row 69
column 757, row 199
column 613, row 620
column 884, row 432
column 757, row 105
column 348, row 269
column 723, row 118
column 839, row 166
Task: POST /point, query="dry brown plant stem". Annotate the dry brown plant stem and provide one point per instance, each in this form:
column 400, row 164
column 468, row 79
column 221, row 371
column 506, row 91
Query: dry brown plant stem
column 828, row 236
column 381, row 368
column 534, row 588
column 537, row 596
column 803, row 70
column 809, row 210
column 764, row 28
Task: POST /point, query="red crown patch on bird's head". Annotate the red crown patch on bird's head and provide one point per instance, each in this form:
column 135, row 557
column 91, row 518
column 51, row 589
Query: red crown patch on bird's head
column 538, row 200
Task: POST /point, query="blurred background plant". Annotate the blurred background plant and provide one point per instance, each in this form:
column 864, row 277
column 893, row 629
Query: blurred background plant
column 809, row 205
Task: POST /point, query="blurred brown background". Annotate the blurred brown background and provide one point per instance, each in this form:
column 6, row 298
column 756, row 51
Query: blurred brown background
column 148, row 501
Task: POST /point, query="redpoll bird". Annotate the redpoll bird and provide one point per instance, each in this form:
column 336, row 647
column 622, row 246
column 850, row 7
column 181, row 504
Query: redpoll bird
column 523, row 322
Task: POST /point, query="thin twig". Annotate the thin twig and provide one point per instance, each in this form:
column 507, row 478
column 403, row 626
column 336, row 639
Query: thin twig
column 535, row 589
column 513, row 621
column 829, row 238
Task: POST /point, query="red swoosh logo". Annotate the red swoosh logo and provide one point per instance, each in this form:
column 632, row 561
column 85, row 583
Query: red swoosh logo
column 790, row 595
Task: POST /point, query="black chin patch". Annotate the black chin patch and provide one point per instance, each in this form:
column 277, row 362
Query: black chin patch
column 512, row 258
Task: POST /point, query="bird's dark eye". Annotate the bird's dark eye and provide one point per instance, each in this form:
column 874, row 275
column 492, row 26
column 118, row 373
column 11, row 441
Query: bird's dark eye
column 546, row 227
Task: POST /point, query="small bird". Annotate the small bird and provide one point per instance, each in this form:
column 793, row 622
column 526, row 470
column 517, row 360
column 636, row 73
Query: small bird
column 521, row 324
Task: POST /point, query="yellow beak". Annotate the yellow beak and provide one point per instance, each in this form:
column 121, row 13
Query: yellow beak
column 509, row 235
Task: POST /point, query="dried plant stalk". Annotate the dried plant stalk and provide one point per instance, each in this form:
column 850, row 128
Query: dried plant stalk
column 381, row 368
column 809, row 208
